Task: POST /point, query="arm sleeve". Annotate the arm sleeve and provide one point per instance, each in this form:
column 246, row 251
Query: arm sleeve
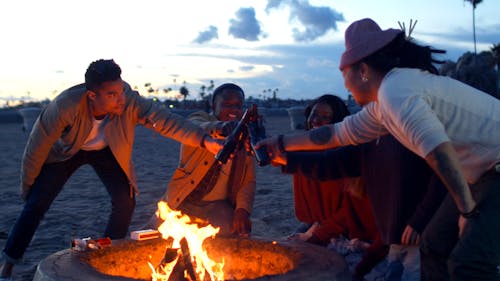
column 411, row 120
column 46, row 131
column 325, row 165
column 362, row 127
column 335, row 225
column 203, row 120
column 168, row 124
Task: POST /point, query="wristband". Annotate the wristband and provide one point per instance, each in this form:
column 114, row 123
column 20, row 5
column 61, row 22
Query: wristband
column 472, row 214
column 281, row 145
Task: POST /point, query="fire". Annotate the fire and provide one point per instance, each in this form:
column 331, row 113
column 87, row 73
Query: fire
column 177, row 226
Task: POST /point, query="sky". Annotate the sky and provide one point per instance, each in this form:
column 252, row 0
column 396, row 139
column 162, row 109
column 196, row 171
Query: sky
column 290, row 47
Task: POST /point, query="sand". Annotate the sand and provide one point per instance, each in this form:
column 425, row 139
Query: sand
column 81, row 209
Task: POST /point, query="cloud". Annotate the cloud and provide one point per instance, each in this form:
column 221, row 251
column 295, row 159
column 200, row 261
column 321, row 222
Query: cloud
column 245, row 26
column 316, row 21
column 247, row 68
column 207, row 35
column 273, row 4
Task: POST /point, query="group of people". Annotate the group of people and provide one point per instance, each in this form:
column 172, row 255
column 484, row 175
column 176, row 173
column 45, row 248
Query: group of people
column 412, row 180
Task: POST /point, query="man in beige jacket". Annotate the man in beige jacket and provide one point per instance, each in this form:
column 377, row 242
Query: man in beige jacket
column 91, row 123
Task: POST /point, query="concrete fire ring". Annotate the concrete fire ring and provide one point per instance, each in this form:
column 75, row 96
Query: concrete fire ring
column 315, row 264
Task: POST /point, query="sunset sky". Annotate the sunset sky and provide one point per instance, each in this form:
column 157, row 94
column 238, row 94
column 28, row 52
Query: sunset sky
column 290, row 45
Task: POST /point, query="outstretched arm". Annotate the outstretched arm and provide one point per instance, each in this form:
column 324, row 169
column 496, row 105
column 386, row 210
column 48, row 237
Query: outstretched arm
column 358, row 128
column 444, row 161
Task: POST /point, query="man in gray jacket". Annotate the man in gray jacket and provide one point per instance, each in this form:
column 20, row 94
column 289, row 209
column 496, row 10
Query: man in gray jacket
column 91, row 123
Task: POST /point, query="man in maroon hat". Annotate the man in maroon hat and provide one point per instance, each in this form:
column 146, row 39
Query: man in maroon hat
column 453, row 126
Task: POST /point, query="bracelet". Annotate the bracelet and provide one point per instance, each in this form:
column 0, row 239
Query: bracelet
column 281, row 145
column 472, row 214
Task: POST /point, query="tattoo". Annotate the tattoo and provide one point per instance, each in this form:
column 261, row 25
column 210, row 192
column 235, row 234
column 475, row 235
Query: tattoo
column 320, row 135
column 448, row 169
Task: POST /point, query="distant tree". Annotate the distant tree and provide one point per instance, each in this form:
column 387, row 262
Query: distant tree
column 183, row 90
column 211, row 87
column 474, row 3
column 275, row 93
column 202, row 93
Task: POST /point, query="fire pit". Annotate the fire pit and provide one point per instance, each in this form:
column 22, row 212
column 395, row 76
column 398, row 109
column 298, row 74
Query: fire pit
column 244, row 259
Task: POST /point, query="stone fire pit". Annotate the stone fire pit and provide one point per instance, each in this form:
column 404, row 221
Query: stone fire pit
column 245, row 259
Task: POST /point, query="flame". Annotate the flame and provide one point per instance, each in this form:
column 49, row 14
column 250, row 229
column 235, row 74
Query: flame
column 178, row 226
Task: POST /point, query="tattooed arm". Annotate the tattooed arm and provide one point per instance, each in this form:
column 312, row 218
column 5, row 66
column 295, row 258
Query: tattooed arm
column 444, row 161
column 358, row 128
column 316, row 139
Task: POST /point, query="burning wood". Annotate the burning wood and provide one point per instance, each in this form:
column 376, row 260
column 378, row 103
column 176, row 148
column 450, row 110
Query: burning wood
column 185, row 259
column 182, row 269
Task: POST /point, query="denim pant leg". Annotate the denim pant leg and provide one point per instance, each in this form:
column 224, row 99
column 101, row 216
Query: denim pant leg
column 45, row 189
column 118, row 187
column 477, row 253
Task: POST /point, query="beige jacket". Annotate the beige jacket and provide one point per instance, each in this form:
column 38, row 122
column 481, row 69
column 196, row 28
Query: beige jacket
column 195, row 162
column 65, row 123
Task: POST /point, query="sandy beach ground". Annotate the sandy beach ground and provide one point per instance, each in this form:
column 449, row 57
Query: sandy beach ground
column 81, row 209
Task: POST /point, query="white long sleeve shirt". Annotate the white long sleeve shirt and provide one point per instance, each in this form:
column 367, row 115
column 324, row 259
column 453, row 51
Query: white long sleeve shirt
column 423, row 110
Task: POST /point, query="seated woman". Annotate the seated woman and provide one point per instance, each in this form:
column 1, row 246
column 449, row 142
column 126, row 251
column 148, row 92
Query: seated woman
column 316, row 201
column 336, row 208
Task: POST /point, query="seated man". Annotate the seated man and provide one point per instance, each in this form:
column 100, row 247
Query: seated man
column 222, row 194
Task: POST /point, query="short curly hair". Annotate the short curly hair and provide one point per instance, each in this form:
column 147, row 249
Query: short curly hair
column 101, row 71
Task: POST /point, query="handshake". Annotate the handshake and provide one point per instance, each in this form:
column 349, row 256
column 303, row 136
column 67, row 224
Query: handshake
column 249, row 128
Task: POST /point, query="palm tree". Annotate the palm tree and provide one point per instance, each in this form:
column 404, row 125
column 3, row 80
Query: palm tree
column 203, row 88
column 183, row 90
column 474, row 3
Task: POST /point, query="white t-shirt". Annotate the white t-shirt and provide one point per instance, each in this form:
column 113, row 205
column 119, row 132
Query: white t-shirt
column 96, row 140
column 423, row 110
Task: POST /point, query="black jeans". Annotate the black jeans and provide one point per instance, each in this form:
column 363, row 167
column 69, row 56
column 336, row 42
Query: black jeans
column 50, row 182
column 476, row 255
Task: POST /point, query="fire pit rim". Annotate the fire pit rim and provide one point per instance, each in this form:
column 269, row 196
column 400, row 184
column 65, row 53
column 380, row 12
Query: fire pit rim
column 68, row 265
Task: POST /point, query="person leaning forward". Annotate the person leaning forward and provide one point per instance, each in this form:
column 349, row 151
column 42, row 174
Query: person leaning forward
column 91, row 123
column 451, row 125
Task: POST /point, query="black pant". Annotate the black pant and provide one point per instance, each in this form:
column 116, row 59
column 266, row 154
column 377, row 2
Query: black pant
column 476, row 255
column 50, row 182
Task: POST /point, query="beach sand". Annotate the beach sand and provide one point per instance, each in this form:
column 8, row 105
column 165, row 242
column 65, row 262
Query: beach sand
column 81, row 209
